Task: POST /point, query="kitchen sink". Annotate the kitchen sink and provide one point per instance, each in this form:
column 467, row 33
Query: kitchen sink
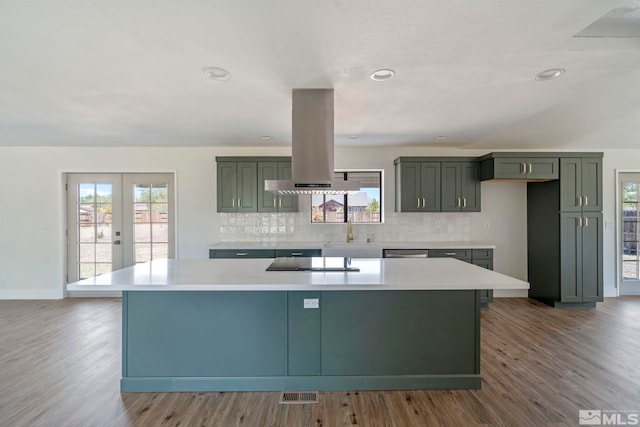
column 352, row 250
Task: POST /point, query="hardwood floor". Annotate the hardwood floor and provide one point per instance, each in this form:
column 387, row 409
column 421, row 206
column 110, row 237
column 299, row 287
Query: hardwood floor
column 60, row 366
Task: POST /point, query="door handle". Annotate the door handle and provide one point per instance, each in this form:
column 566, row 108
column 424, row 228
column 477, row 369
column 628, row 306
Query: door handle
column 418, row 205
column 580, row 201
column 464, row 202
column 280, row 201
column 524, row 168
column 239, row 202
column 586, row 201
column 274, row 202
column 530, row 168
column 458, row 202
column 233, row 202
column 586, row 221
column 423, row 202
column 580, row 222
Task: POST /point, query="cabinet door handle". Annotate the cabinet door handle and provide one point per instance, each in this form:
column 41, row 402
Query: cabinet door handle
column 580, row 201
column 423, row 202
column 239, row 202
column 530, row 168
column 280, row 201
column 274, row 202
column 586, row 201
column 524, row 168
column 464, row 202
column 580, row 222
column 458, row 202
column 586, row 221
column 418, row 199
column 241, row 254
column 233, row 202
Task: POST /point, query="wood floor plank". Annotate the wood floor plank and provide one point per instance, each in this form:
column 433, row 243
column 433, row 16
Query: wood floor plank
column 60, row 366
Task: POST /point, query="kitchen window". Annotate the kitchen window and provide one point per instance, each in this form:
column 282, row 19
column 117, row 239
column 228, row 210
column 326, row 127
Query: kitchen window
column 362, row 207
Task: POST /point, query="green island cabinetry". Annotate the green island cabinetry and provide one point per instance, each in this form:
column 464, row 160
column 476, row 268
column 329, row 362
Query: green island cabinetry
column 267, row 340
column 240, row 185
column 437, row 184
column 480, row 257
column 565, row 230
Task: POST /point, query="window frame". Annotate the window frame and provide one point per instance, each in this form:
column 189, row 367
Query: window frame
column 345, row 173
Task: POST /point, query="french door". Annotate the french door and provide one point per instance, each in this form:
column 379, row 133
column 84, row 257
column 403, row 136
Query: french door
column 117, row 220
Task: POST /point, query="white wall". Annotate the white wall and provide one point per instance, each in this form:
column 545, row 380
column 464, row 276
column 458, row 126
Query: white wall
column 32, row 245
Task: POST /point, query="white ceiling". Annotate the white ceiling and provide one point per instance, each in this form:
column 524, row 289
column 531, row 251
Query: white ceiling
column 125, row 72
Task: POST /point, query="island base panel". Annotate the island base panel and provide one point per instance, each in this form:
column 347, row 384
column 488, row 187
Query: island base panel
column 261, row 341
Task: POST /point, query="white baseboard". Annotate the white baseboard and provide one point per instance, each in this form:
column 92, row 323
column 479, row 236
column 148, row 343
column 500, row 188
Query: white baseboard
column 93, row 294
column 15, row 294
column 511, row 293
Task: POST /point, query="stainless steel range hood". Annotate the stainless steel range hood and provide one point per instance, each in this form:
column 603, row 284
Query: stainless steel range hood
column 312, row 148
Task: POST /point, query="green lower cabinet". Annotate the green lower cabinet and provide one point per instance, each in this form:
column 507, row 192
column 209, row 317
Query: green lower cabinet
column 480, row 257
column 581, row 257
column 303, row 334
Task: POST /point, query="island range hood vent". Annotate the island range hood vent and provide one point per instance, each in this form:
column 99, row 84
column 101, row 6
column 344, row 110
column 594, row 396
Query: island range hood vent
column 312, row 148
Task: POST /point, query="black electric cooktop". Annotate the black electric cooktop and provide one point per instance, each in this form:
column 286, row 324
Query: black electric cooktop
column 312, row 264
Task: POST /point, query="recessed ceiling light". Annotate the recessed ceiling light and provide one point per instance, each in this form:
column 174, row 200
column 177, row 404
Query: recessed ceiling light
column 383, row 74
column 441, row 137
column 549, row 74
column 353, row 137
column 266, row 137
column 217, row 73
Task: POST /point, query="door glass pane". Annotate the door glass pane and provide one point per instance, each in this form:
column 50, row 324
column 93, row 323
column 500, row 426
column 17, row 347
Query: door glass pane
column 630, row 230
column 151, row 222
column 94, row 230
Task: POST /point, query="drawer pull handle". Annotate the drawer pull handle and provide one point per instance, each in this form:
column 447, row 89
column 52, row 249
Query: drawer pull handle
column 241, row 254
column 450, row 253
column 296, row 253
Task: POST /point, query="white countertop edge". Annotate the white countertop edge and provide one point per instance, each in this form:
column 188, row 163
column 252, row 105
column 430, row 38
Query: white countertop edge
column 245, row 288
column 381, row 244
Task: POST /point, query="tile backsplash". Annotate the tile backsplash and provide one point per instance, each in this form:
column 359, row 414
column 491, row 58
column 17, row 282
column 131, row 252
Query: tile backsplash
column 292, row 227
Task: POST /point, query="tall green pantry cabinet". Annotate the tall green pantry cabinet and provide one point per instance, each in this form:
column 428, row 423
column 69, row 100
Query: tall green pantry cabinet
column 564, row 221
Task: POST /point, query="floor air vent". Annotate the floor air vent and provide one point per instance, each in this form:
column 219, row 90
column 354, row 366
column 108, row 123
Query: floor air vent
column 298, row 397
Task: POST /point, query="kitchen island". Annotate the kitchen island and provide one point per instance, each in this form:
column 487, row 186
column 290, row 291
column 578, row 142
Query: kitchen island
column 229, row 325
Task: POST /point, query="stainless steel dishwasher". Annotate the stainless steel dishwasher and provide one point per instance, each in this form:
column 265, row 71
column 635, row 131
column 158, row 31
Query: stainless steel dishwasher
column 405, row 253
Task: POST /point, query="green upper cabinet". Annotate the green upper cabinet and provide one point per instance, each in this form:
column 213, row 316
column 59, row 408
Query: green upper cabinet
column 417, row 186
column 581, row 184
column 241, row 184
column 520, row 168
column 437, row 184
column 460, row 187
column 237, row 187
column 269, row 202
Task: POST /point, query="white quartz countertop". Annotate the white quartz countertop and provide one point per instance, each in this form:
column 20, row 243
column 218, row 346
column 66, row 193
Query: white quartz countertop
column 250, row 275
column 381, row 244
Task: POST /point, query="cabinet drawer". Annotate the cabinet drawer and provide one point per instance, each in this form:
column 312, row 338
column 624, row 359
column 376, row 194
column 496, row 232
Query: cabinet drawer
column 463, row 254
column 482, row 254
column 298, row 252
column 241, row 253
column 485, row 263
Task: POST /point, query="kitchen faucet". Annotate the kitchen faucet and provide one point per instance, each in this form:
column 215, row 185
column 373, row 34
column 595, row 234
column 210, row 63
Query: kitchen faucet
column 349, row 232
